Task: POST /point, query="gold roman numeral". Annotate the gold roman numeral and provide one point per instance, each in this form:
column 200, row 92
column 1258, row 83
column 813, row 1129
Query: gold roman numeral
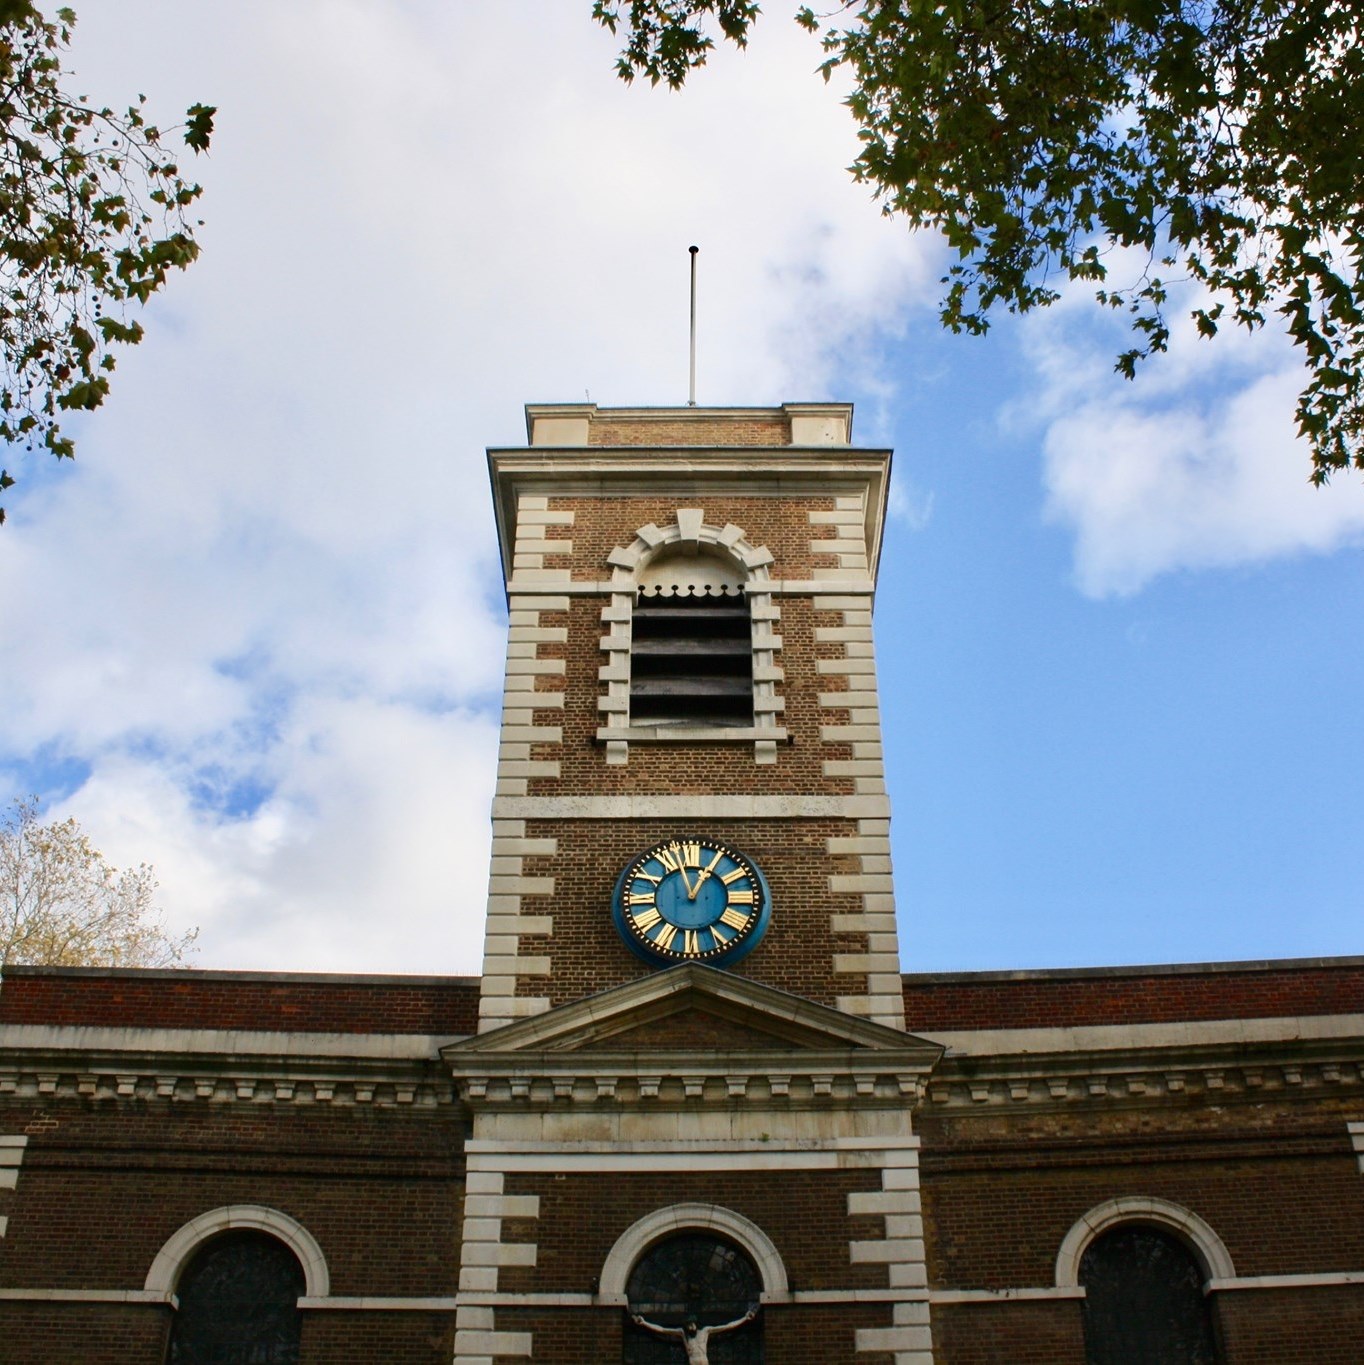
column 666, row 936
column 646, row 919
column 689, row 945
column 669, row 858
column 734, row 876
column 735, row 919
column 742, row 897
column 640, row 898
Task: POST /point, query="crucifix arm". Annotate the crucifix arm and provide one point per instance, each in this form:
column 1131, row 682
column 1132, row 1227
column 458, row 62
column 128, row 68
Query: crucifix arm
column 738, row 1322
column 654, row 1327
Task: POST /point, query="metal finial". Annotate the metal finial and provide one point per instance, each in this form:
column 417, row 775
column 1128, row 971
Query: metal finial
column 691, row 389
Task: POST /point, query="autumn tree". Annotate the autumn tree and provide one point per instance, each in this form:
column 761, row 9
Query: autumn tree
column 1131, row 145
column 62, row 904
column 94, row 214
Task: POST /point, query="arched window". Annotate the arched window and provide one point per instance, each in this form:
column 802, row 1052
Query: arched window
column 238, row 1298
column 691, row 649
column 693, row 1277
column 1144, row 1300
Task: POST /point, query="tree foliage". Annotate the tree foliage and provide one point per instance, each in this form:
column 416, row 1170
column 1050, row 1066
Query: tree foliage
column 61, row 904
column 1214, row 141
column 93, row 217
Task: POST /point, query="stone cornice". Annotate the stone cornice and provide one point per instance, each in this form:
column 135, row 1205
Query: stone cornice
column 691, row 1080
column 1287, row 1068
column 71, row 1063
column 691, row 471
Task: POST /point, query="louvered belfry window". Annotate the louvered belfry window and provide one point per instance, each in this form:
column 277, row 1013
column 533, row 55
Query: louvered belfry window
column 691, row 651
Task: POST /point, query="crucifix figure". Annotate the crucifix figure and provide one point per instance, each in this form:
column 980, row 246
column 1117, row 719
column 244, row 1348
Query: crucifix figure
column 695, row 1339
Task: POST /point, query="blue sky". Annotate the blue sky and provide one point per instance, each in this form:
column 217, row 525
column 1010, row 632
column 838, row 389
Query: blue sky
column 254, row 636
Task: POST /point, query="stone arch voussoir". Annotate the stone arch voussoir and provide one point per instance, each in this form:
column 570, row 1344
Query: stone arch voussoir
column 691, row 528
column 654, row 1227
column 175, row 1255
column 1184, row 1223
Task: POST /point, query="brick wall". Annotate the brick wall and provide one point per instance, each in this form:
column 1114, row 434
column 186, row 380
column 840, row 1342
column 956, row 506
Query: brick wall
column 1037, row 1333
column 581, row 1217
column 100, row 998
column 753, row 430
column 404, row 1338
column 97, row 998
column 1277, row 1182
column 106, row 1184
column 586, row 954
column 1133, row 995
column 1319, row 1326
column 91, row 1334
column 779, row 524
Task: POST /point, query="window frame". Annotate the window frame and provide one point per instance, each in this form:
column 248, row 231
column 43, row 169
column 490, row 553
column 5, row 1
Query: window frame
column 690, row 532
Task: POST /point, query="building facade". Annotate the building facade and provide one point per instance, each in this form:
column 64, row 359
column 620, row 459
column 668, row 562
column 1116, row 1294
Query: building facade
column 691, row 1108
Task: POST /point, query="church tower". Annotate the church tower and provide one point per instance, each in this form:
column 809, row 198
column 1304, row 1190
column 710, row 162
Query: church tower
column 691, row 1086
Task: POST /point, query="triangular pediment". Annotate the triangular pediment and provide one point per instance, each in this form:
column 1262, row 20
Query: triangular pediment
column 693, row 1008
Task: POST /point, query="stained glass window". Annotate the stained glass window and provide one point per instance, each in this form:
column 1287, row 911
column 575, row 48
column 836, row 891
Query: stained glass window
column 238, row 1304
column 694, row 1277
column 1144, row 1302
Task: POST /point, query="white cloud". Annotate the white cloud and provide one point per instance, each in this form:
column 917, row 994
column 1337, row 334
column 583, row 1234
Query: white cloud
column 1196, row 464
column 370, row 854
column 272, row 571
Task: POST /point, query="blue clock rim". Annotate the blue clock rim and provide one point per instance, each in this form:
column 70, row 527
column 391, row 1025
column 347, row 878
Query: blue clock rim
column 735, row 954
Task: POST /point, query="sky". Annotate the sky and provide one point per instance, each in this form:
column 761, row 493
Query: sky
column 254, row 636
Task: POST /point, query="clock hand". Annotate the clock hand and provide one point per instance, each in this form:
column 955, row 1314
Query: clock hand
column 705, row 872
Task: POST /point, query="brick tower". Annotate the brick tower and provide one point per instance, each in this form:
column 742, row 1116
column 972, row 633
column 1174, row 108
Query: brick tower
column 691, row 1023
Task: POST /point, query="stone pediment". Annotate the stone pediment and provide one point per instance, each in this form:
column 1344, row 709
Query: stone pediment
column 687, row 1035
column 688, row 1008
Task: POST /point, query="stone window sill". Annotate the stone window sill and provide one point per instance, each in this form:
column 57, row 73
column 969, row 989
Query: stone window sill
column 692, row 734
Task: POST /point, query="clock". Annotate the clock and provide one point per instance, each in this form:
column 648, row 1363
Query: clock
column 691, row 899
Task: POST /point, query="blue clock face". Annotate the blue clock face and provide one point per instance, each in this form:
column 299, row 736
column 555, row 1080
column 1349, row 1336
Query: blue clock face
column 691, row 900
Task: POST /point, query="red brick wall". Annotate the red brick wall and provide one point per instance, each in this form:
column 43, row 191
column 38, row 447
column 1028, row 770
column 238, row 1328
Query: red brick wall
column 1024, row 1333
column 1312, row 1326
column 117, row 1334
column 104, row 1185
column 190, row 999
column 331, row 1337
column 83, row 1333
column 1277, row 1183
column 1131, row 996
column 1318, row 1326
